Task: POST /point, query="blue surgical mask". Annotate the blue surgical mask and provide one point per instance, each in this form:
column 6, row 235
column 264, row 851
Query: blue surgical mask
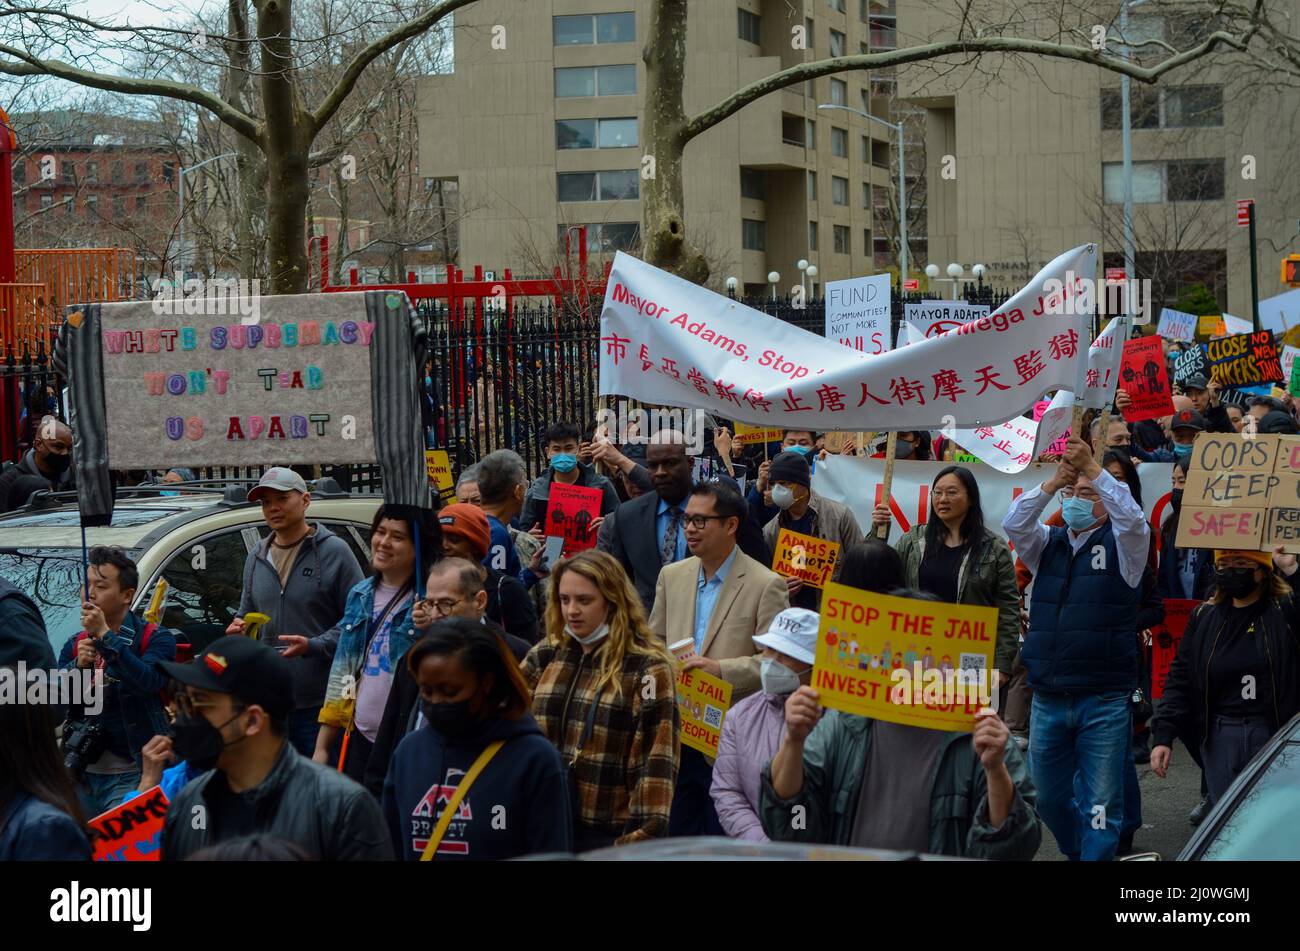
column 1077, row 513
column 563, row 461
column 1182, row 450
column 802, row 450
column 168, row 493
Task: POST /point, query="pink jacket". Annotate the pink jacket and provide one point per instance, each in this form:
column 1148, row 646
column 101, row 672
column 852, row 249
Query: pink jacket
column 751, row 734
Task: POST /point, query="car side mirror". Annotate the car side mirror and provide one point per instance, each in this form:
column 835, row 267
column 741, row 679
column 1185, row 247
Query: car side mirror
column 1141, row 857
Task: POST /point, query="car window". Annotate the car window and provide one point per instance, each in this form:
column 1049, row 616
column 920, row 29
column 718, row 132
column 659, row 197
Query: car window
column 204, row 588
column 1263, row 822
column 52, row 578
column 355, row 534
column 122, row 518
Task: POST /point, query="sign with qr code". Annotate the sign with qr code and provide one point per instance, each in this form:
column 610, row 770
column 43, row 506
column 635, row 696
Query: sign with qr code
column 703, row 701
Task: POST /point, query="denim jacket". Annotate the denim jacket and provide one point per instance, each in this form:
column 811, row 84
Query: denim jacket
column 138, row 698
column 353, row 634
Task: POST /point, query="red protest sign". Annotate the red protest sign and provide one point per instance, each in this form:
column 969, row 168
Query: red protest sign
column 1164, row 645
column 1142, row 375
column 133, row 831
column 569, row 514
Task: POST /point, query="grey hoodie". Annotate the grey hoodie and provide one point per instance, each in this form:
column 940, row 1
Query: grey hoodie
column 310, row 603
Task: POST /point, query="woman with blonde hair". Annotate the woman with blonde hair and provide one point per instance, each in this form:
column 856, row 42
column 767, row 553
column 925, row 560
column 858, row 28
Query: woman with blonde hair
column 604, row 694
column 1235, row 680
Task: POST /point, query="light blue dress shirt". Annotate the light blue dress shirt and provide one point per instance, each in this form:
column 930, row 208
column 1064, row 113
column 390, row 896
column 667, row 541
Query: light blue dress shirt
column 706, row 597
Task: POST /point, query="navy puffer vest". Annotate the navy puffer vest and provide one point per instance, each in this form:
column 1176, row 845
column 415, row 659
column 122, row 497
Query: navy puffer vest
column 1082, row 619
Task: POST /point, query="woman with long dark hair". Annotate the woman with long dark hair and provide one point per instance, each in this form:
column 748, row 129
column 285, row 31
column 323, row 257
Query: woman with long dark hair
column 1235, row 680
column 474, row 710
column 871, row 565
column 957, row 559
column 40, row 815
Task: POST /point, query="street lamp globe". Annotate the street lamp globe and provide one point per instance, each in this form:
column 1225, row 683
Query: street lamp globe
column 932, row 270
column 978, row 270
column 773, row 277
column 732, row 283
column 812, row 270
column 802, row 264
column 955, row 271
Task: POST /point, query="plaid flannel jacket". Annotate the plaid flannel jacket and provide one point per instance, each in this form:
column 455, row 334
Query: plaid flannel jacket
column 628, row 769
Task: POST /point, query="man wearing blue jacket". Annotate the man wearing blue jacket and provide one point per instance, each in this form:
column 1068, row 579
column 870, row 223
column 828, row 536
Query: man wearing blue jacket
column 114, row 641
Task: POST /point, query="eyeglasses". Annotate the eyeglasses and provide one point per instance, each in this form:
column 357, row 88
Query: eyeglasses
column 445, row 606
column 946, row 494
column 1070, row 493
column 699, row 521
column 187, row 705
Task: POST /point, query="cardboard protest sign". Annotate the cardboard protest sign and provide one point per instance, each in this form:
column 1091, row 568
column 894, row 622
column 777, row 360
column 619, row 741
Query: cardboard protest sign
column 1165, row 639
column 920, row 663
column 703, row 701
column 756, row 435
column 836, row 443
column 570, row 512
column 131, row 832
column 1189, row 363
column 1144, row 378
column 933, row 317
column 1244, row 359
column 812, row 560
column 437, row 465
column 1242, row 493
column 857, row 313
column 1176, row 325
column 313, row 378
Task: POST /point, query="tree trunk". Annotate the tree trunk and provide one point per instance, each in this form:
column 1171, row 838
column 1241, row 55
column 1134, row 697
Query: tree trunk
column 342, row 250
column 663, row 225
column 286, row 144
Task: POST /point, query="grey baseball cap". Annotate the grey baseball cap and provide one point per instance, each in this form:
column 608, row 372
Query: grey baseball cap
column 280, row 478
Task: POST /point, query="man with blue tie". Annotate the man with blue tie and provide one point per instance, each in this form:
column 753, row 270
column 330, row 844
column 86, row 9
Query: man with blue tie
column 648, row 532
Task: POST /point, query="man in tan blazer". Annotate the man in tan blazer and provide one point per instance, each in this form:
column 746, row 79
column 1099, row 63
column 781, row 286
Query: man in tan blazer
column 719, row 598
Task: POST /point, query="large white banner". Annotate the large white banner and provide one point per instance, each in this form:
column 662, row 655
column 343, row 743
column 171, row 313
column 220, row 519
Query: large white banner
column 857, row 482
column 667, row 341
column 1280, row 313
column 858, row 313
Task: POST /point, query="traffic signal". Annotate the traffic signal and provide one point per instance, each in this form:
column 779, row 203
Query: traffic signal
column 1291, row 270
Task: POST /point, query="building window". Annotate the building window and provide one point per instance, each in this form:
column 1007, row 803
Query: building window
column 884, row 34
column 20, row 171
column 141, row 172
column 595, row 81
column 812, row 236
column 880, row 153
column 809, row 31
column 92, row 205
column 840, row 142
column 866, row 194
column 1148, row 182
column 1193, row 107
column 841, row 238
column 839, row 190
column 812, row 186
column 792, row 130
column 883, row 85
column 751, row 184
column 753, row 234
column 118, row 172
column 881, row 256
column 866, row 242
column 751, row 27
column 1144, row 108
column 1195, row 181
column 47, row 201
column 141, row 204
column 576, row 186
column 595, row 133
column 837, row 43
column 866, row 149
column 92, row 172
column 839, row 92
column 620, row 185
column 862, row 10
column 836, row 5
column 599, row 28
column 69, row 172
column 622, row 236
column 67, row 206
column 811, row 136
column 119, row 206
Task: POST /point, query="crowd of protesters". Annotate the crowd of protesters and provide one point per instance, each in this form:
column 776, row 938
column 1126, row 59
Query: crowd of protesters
column 462, row 698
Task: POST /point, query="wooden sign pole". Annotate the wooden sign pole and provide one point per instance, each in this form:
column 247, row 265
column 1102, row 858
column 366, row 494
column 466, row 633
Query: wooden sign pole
column 887, row 485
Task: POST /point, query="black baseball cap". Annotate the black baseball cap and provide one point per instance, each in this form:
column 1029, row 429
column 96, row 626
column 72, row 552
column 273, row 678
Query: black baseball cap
column 1196, row 381
column 1188, row 419
column 242, row 667
column 1277, row 421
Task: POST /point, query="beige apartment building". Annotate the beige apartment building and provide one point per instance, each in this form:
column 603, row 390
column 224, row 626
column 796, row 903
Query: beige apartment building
column 1027, row 164
column 540, row 126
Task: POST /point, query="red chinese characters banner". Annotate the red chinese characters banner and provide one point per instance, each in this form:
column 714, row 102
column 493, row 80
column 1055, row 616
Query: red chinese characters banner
column 570, row 513
column 1164, row 643
column 669, row 342
column 1145, row 379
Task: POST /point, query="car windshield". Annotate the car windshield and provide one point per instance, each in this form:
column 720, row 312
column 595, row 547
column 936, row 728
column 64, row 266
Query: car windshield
column 122, row 518
column 1263, row 823
column 52, row 578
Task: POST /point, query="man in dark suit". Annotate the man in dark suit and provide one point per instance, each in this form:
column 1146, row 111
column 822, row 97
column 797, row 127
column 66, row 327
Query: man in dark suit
column 648, row 532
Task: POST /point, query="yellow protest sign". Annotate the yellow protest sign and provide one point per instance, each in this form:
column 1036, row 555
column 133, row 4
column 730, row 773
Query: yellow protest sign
column 812, row 560
column 1210, row 325
column 703, row 701
column 438, row 466
column 756, row 435
column 919, row 663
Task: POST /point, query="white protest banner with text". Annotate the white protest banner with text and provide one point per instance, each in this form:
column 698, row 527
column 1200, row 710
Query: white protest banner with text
column 667, row 341
column 1176, row 325
column 933, row 317
column 1236, row 325
column 857, row 313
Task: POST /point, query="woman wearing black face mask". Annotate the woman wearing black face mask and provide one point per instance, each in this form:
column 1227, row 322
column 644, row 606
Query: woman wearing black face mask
column 475, row 732
column 1184, row 572
column 1236, row 677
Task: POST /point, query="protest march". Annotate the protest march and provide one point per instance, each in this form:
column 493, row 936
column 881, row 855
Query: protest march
column 738, row 612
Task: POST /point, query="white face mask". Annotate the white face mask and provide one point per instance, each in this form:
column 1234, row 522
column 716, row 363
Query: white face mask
column 782, row 496
column 777, row 679
column 595, row 637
